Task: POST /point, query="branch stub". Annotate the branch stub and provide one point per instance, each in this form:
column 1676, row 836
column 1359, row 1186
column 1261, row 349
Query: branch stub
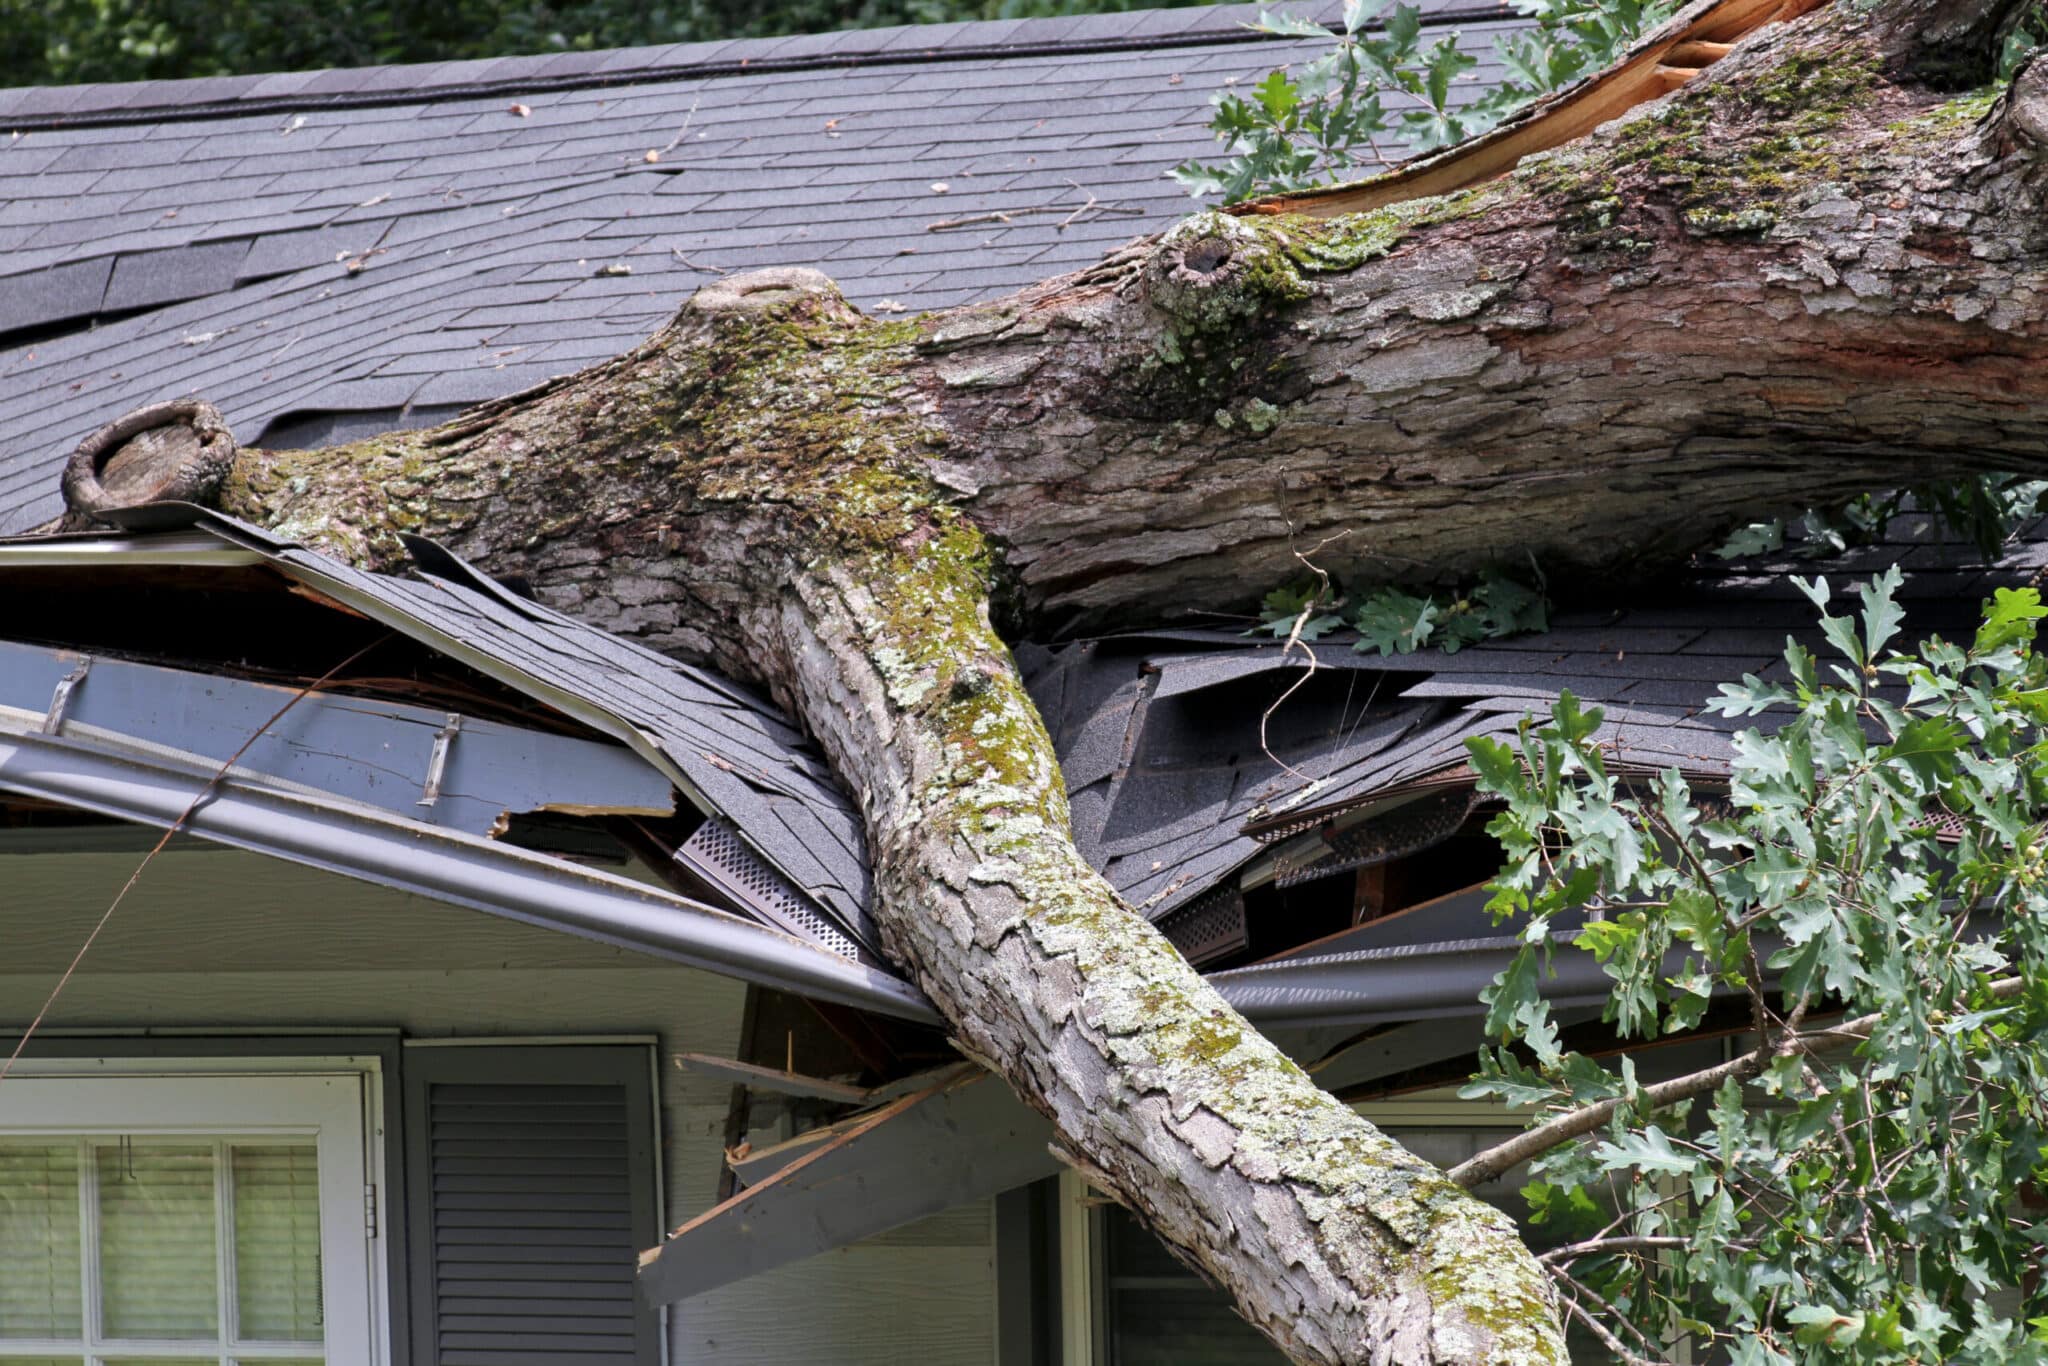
column 757, row 292
column 2026, row 111
column 178, row 451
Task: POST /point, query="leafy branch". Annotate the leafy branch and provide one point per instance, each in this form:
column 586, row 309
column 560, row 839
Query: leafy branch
column 1984, row 509
column 1397, row 621
column 1871, row 1147
column 1312, row 124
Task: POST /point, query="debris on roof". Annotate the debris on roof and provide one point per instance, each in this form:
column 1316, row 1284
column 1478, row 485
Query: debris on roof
column 1203, row 768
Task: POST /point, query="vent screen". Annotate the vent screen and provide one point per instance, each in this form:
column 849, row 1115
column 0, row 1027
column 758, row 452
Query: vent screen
column 718, row 856
column 1209, row 927
column 1407, row 829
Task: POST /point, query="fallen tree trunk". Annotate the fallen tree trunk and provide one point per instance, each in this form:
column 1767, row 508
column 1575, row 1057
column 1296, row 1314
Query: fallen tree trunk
column 1814, row 270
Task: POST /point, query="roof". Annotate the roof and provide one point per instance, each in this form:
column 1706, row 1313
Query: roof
column 327, row 254
column 505, row 222
column 730, row 753
column 1175, row 791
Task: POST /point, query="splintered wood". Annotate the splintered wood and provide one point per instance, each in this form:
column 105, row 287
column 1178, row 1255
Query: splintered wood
column 1678, row 50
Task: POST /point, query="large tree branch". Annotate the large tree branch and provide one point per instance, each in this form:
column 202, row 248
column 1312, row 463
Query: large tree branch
column 1334, row 1242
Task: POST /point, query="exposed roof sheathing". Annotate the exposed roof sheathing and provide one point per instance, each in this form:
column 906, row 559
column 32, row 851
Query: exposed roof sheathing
column 730, row 750
column 326, row 254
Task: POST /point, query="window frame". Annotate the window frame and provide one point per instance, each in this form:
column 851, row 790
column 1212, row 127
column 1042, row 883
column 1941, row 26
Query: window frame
column 337, row 1099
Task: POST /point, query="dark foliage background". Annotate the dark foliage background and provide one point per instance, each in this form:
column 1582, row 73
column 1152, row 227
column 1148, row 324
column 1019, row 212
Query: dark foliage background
column 48, row 42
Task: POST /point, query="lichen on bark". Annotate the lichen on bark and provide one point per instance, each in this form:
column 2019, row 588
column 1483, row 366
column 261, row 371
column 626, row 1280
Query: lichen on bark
column 1335, row 1242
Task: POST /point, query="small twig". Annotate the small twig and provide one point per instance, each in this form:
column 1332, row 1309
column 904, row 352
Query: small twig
column 677, row 252
column 1316, row 600
column 1068, row 221
column 944, row 224
column 1594, row 1247
column 1594, row 1326
column 172, row 829
column 1005, row 215
column 676, row 141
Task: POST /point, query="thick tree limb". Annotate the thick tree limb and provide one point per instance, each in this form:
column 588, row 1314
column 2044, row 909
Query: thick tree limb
column 1799, row 276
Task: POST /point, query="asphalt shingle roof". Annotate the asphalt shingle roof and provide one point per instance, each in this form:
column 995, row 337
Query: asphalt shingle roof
column 325, row 254
column 731, row 752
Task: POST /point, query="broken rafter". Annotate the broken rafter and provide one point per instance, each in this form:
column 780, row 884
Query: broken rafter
column 757, row 1078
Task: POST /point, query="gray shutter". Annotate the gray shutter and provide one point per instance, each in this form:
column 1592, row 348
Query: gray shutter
column 530, row 1193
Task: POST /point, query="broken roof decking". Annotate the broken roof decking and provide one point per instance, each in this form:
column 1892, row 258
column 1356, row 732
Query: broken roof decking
column 1173, row 792
column 729, row 751
column 222, row 213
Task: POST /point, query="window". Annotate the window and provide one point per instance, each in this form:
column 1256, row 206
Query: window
column 161, row 1220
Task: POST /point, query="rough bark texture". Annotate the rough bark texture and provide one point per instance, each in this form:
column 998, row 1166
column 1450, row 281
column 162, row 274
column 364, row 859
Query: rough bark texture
column 1809, row 273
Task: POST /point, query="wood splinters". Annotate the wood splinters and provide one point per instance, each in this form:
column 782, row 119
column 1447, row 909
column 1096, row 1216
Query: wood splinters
column 1696, row 53
column 1670, row 78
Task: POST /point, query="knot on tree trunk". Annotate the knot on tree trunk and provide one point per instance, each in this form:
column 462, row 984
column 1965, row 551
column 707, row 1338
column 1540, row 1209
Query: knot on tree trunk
column 1209, row 310
column 178, row 451
column 1215, row 271
column 2026, row 110
column 775, row 291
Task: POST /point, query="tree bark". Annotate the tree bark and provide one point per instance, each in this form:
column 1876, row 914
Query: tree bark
column 1812, row 271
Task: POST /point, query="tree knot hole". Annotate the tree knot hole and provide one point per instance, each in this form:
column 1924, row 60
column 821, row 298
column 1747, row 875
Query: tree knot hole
column 175, row 452
column 971, row 682
column 1206, row 257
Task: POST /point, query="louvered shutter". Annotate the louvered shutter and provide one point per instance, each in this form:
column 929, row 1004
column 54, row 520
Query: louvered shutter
column 531, row 1192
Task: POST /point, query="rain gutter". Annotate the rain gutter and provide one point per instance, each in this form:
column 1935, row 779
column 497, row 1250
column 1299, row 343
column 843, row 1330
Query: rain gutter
column 445, row 865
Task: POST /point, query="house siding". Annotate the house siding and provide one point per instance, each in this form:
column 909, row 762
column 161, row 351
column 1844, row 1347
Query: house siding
column 213, row 940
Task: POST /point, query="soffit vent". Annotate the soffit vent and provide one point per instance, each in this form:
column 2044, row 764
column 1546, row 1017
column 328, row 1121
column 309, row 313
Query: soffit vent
column 717, row 855
column 1405, row 830
column 1209, row 927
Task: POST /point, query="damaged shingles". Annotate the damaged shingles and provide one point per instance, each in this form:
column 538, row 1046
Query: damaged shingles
column 744, row 760
column 662, row 697
column 1162, row 842
column 1652, row 669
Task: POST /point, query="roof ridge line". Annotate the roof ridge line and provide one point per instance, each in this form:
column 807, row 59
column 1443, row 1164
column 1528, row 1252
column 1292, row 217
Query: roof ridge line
column 428, row 93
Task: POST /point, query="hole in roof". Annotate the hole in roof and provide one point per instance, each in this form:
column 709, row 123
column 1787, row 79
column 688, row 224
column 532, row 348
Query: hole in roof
column 56, row 329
